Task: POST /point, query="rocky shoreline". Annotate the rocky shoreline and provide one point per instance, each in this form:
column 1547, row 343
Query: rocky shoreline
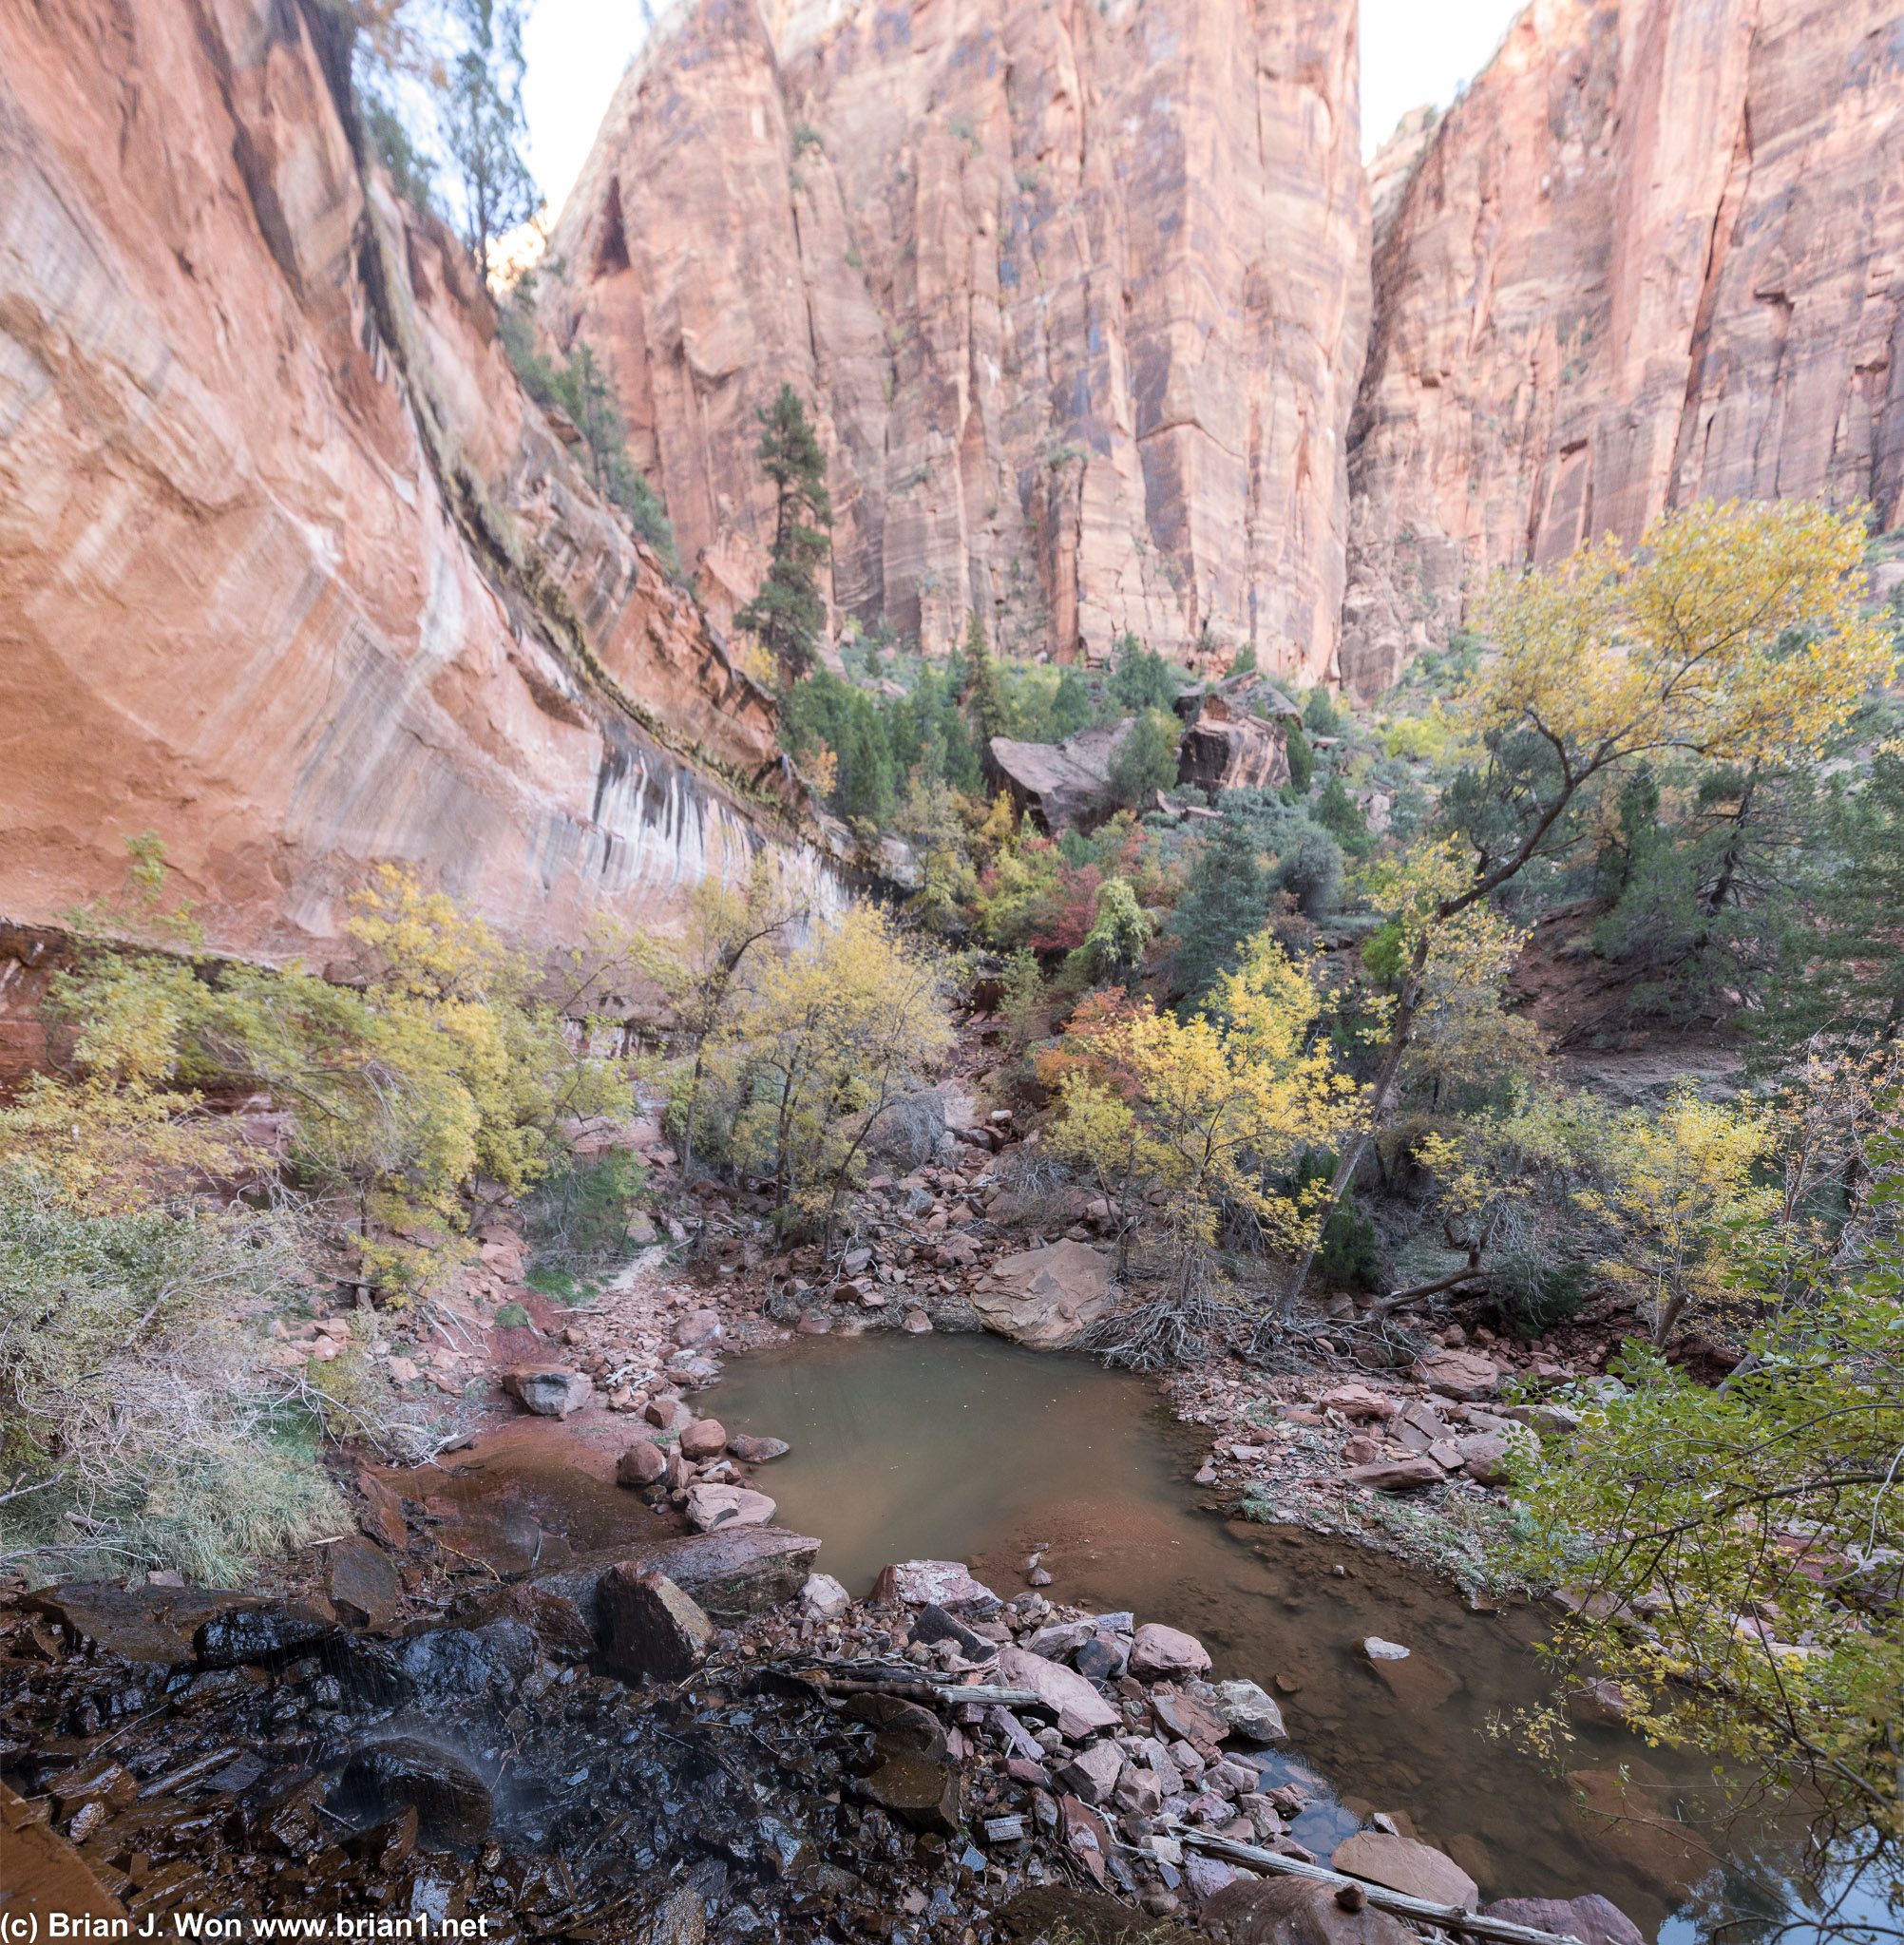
column 592, row 1751
column 570, row 1673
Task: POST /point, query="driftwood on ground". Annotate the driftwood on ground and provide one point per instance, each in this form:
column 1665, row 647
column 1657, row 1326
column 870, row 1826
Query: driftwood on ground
column 1451, row 1917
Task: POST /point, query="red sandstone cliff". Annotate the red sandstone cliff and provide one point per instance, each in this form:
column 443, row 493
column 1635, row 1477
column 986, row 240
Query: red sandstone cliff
column 1656, row 254
column 290, row 571
column 1079, row 292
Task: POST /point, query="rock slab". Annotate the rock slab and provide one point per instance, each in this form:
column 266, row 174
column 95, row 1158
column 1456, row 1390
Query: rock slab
column 946, row 1584
column 649, row 1627
column 1045, row 1297
column 1415, row 1869
column 1079, row 1708
column 548, row 1390
column 711, row 1507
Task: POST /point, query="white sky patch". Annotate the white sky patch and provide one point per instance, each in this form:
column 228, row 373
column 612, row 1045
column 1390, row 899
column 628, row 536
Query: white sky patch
column 1416, row 51
column 1412, row 51
column 575, row 51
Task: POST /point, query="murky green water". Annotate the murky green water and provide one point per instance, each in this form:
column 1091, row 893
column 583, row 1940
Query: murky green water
column 970, row 1448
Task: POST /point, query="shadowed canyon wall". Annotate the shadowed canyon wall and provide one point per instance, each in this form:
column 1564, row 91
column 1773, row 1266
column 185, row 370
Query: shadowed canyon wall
column 1079, row 292
column 1655, row 254
column 290, row 572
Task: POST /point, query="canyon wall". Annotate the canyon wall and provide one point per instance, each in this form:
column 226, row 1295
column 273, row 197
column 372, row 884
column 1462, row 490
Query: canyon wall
column 291, row 573
column 1654, row 255
column 1079, row 292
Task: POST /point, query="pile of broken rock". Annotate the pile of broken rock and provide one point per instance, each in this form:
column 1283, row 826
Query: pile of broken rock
column 699, row 1739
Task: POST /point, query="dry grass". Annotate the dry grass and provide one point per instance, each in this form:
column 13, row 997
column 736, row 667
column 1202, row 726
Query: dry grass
column 136, row 1429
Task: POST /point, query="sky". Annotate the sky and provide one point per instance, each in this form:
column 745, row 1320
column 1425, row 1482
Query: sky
column 1412, row 51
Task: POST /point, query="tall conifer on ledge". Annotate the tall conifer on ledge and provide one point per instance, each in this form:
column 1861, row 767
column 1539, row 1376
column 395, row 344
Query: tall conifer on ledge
column 787, row 614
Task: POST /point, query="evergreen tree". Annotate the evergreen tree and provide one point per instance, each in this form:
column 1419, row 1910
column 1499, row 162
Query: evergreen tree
column 1340, row 815
column 1146, row 761
column 1841, row 943
column 1141, row 678
column 985, row 702
column 787, row 614
column 1071, row 708
column 1226, row 903
column 1302, row 760
column 479, row 112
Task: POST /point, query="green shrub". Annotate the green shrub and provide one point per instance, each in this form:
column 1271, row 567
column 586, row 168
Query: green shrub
column 1301, row 761
column 1147, row 758
column 580, row 390
column 1141, row 679
column 578, row 1213
column 1348, row 1257
column 1529, row 1293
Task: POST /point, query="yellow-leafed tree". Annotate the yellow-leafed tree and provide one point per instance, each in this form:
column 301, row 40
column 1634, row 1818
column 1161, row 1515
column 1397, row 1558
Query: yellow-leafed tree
column 829, row 1039
column 1214, row 1109
column 1686, row 1202
column 1737, row 634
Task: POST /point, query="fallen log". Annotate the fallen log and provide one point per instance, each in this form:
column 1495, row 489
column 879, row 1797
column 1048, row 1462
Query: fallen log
column 1451, row 1917
column 908, row 1688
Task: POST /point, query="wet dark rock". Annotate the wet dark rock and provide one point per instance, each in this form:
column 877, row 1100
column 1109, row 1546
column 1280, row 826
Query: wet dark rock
column 384, row 1846
column 1593, row 1919
column 451, row 1801
column 752, row 1451
column 380, row 1513
column 919, row 1790
column 364, row 1585
column 1060, row 1911
column 733, row 1572
column 649, row 1627
column 258, row 1633
column 934, row 1624
column 904, row 1725
column 439, row 1664
column 556, row 1623
column 508, row 1540
column 44, row 1872
column 146, row 1624
column 286, row 1820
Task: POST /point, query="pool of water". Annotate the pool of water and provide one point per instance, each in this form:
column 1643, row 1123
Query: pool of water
column 972, row 1449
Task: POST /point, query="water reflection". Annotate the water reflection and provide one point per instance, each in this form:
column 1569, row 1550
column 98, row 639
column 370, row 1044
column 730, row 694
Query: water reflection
column 972, row 1449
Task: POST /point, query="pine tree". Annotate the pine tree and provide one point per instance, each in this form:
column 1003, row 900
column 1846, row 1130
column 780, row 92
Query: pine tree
column 1841, row 971
column 788, row 613
column 1225, row 905
column 1146, row 761
column 480, row 111
column 984, row 689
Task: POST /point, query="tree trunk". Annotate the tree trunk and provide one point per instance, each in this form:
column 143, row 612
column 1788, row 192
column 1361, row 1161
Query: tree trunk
column 1384, row 1084
column 694, row 1100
